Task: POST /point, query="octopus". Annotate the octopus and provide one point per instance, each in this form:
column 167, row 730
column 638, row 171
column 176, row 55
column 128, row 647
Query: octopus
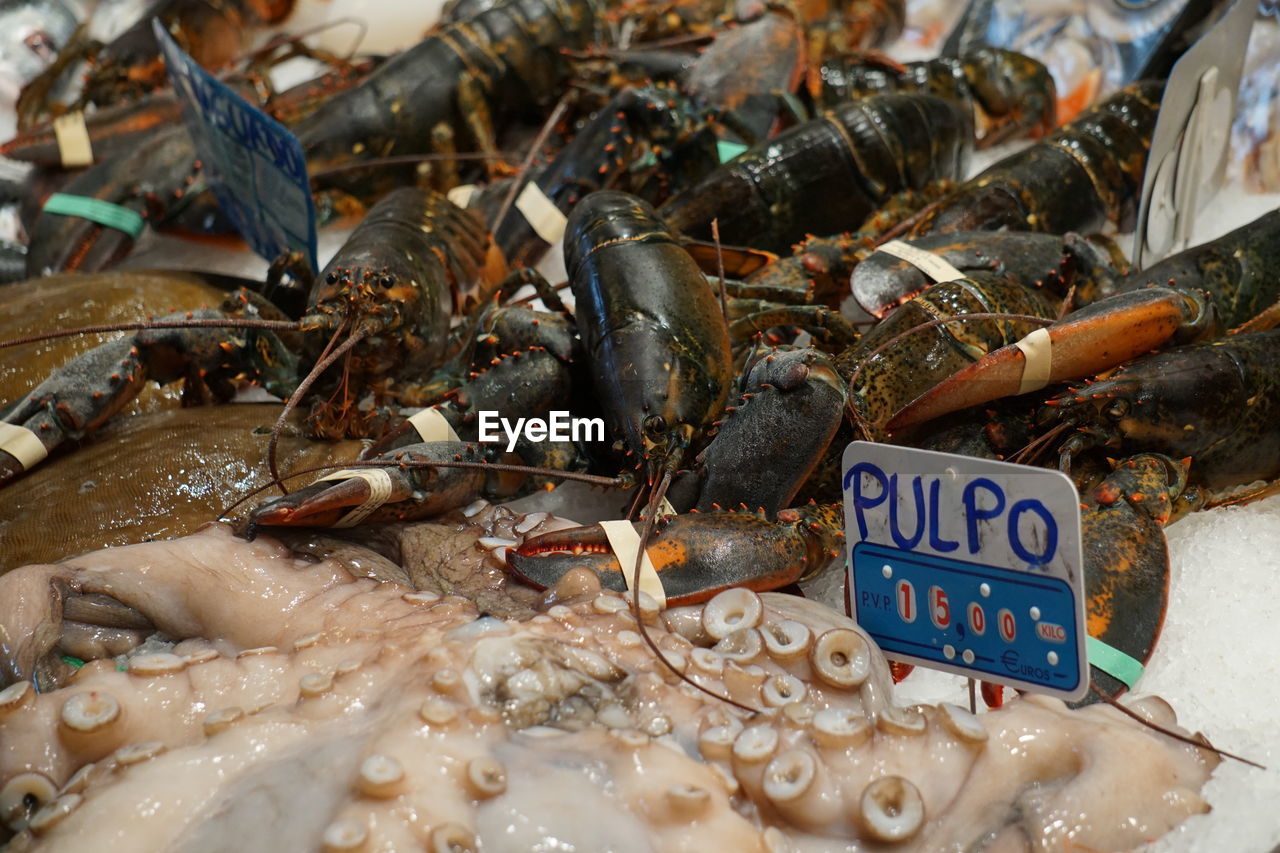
column 280, row 701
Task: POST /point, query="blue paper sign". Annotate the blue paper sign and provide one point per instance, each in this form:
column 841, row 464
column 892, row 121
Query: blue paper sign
column 253, row 163
column 968, row 565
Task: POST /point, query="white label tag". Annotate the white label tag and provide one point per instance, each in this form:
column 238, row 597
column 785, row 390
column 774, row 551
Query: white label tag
column 968, row 565
column 1037, row 350
column 928, row 263
column 432, row 426
column 22, row 444
column 541, row 213
column 72, row 135
column 379, row 490
column 625, row 543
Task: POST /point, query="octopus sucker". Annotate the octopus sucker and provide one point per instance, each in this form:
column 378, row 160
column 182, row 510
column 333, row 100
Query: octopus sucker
column 292, row 704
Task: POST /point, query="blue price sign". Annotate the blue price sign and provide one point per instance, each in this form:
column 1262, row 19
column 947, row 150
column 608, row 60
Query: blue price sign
column 254, row 164
column 968, row 565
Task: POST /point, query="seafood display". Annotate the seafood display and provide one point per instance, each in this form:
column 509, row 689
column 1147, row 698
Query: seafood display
column 419, row 722
column 299, row 534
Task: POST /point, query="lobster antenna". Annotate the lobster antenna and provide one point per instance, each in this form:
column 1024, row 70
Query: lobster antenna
column 938, row 321
column 252, row 56
column 1029, row 454
column 649, row 520
column 640, row 47
column 1202, row 744
column 408, row 160
column 303, row 387
column 715, row 236
column 193, row 323
column 518, row 183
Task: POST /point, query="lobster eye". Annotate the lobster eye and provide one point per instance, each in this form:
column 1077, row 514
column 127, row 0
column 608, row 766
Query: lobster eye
column 332, row 277
column 654, row 426
column 387, row 281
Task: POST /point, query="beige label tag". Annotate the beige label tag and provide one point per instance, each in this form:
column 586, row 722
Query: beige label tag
column 625, row 543
column 73, row 140
column 379, row 490
column 541, row 213
column 433, row 426
column 927, row 262
column 22, row 444
column 1037, row 349
column 461, row 196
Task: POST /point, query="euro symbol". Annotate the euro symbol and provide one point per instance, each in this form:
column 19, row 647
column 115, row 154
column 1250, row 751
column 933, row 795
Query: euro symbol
column 1010, row 661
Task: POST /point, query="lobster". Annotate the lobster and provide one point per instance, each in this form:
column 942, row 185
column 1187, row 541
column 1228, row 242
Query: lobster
column 802, row 539
column 476, row 76
column 1100, row 158
column 214, row 33
column 697, row 555
column 881, row 281
column 1213, row 402
column 1009, row 94
column 650, row 139
column 388, row 289
column 654, row 337
column 161, row 181
column 523, row 364
column 121, row 128
column 1079, row 178
column 654, row 341
column 1193, row 295
column 827, row 173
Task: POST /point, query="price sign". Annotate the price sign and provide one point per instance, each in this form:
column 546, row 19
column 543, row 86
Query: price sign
column 968, row 565
column 255, row 166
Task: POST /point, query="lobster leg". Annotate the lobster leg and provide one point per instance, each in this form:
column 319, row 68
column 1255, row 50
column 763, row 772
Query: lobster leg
column 1084, row 343
column 697, row 555
column 825, row 325
column 479, row 121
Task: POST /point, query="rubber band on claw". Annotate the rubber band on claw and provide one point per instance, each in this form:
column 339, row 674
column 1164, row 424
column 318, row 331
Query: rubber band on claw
column 1113, row 662
column 96, row 210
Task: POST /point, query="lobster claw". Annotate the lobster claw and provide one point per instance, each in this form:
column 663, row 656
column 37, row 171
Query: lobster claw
column 1126, row 556
column 151, row 181
column 407, row 488
column 695, row 555
column 1095, row 338
column 330, row 502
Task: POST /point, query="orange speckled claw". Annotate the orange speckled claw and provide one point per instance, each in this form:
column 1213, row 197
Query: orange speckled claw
column 1096, row 338
column 696, row 555
column 1126, row 558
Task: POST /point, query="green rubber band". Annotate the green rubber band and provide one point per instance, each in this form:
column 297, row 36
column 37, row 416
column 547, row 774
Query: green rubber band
column 96, row 210
column 76, row 662
column 1113, row 662
column 728, row 150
